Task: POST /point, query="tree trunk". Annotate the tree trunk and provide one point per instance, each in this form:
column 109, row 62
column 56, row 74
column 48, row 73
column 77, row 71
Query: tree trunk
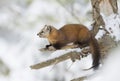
column 97, row 18
column 106, row 7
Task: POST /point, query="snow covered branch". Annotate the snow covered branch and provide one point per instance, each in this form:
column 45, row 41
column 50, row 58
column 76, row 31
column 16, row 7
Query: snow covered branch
column 71, row 55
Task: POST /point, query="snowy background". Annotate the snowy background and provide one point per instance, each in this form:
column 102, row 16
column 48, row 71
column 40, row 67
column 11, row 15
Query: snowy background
column 21, row 20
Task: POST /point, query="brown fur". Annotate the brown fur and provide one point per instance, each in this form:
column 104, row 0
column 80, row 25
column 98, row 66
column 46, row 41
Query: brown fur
column 77, row 34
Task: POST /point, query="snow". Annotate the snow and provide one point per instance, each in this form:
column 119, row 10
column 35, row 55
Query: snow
column 110, row 70
column 113, row 25
column 21, row 51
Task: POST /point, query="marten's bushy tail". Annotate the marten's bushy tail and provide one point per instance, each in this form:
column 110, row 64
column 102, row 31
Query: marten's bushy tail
column 95, row 50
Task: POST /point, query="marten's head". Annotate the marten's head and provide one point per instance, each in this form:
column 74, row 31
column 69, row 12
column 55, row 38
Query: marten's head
column 44, row 33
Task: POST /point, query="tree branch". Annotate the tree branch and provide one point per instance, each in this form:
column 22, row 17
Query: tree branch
column 71, row 55
column 54, row 61
column 79, row 79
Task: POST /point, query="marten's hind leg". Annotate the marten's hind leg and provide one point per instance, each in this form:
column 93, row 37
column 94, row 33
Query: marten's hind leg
column 83, row 47
column 82, row 44
column 70, row 46
column 57, row 46
column 47, row 46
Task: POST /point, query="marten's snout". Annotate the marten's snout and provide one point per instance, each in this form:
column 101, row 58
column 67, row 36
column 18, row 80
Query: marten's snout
column 37, row 34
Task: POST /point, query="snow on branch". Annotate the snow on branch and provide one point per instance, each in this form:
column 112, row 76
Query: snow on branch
column 71, row 55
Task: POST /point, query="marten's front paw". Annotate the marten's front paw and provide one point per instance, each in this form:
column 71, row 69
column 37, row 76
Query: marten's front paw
column 50, row 47
column 47, row 46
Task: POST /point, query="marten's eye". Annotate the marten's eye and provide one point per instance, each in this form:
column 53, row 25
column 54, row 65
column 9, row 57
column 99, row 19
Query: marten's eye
column 42, row 32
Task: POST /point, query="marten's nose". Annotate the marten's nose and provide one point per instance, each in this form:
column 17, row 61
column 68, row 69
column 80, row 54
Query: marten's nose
column 38, row 34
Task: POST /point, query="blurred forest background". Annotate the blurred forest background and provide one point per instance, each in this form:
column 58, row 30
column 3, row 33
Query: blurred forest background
column 20, row 21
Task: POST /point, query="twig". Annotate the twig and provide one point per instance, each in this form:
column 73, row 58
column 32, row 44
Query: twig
column 79, row 79
column 72, row 14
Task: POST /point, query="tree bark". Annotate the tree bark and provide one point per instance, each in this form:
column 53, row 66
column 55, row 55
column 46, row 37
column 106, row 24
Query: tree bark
column 114, row 5
column 97, row 18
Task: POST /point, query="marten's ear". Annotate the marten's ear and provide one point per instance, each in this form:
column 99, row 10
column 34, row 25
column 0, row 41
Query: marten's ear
column 49, row 27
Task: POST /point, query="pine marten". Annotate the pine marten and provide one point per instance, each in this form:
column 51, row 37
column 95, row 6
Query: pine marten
column 72, row 33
